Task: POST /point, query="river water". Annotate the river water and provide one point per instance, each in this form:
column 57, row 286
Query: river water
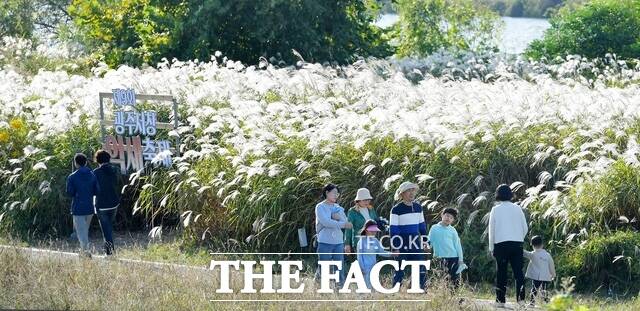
column 516, row 35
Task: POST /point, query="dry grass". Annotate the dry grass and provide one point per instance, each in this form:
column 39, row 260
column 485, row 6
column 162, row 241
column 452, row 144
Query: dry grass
column 46, row 282
column 65, row 282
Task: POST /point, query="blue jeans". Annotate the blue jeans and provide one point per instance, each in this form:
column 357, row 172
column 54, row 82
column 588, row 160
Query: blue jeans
column 399, row 275
column 107, row 218
column 331, row 252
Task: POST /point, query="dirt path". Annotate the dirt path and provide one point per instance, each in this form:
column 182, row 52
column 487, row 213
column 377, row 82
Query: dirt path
column 39, row 252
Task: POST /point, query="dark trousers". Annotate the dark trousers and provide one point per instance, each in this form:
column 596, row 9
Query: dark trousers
column 450, row 266
column 107, row 218
column 509, row 253
column 399, row 275
column 539, row 288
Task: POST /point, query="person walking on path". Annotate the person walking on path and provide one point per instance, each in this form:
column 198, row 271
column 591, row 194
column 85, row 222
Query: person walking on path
column 357, row 215
column 541, row 269
column 108, row 200
column 82, row 186
column 507, row 230
column 446, row 245
column 368, row 247
column 330, row 220
column 408, row 231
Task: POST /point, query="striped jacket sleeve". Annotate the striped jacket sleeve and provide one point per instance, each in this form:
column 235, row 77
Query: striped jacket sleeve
column 423, row 224
column 394, row 225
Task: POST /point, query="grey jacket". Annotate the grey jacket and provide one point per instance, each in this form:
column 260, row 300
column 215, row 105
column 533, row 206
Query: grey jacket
column 541, row 267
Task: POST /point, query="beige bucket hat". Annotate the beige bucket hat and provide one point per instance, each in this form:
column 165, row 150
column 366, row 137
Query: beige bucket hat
column 363, row 194
column 407, row 185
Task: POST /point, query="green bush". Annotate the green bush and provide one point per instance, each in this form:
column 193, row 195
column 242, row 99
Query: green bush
column 592, row 30
column 144, row 31
column 608, row 203
column 427, row 26
column 603, row 261
column 565, row 302
column 34, row 182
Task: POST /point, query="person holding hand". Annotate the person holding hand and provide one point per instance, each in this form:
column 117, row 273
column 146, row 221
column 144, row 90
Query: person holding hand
column 358, row 215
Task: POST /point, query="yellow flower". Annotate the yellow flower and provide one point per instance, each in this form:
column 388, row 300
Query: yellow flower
column 4, row 136
column 16, row 124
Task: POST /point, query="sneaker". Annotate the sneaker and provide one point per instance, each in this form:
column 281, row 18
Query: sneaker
column 499, row 305
column 108, row 248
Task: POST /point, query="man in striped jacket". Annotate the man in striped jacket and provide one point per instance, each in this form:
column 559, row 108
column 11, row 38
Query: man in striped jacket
column 408, row 230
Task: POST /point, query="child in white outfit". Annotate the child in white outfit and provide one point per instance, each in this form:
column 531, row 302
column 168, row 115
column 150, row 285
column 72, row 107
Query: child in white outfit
column 541, row 269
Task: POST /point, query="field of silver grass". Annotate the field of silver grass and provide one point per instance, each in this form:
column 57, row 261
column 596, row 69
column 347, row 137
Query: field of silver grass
column 260, row 141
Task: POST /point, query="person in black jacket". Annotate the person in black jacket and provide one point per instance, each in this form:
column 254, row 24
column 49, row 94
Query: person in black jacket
column 108, row 199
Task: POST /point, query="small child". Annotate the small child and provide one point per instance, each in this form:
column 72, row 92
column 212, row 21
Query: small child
column 368, row 247
column 445, row 242
column 541, row 269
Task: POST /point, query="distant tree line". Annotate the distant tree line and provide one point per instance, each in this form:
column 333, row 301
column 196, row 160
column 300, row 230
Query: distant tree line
column 136, row 32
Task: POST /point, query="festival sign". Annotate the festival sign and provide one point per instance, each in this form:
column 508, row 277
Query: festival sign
column 133, row 145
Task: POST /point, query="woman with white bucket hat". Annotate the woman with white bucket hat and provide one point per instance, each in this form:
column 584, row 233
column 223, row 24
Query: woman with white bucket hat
column 358, row 215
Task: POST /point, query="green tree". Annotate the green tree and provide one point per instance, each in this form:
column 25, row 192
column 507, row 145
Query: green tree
column 500, row 7
column 516, row 9
column 128, row 31
column 592, row 30
column 547, row 7
column 21, row 18
column 144, row 31
column 16, row 18
column 426, row 26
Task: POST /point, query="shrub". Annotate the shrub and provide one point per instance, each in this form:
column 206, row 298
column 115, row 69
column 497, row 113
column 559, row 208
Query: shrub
column 605, row 261
column 607, row 203
column 592, row 30
column 34, row 182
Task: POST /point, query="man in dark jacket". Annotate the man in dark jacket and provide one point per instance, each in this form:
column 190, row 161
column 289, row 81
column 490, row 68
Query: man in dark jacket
column 81, row 187
column 108, row 199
